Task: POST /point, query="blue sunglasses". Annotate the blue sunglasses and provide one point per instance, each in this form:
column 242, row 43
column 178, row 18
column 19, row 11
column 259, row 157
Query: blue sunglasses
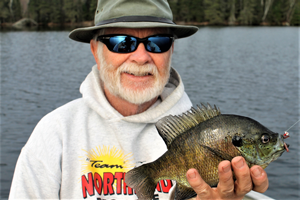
column 128, row 44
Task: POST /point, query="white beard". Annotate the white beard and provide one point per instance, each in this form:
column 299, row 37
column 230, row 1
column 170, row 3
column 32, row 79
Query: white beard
column 136, row 93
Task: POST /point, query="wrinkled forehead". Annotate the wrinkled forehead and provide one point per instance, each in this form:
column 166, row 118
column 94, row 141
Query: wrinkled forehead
column 137, row 32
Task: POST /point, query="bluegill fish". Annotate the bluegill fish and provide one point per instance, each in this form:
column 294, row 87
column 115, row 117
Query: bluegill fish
column 201, row 138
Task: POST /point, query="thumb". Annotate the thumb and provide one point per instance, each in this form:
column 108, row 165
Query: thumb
column 203, row 190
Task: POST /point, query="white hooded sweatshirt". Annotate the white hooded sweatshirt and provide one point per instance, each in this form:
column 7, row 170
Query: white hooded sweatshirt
column 83, row 149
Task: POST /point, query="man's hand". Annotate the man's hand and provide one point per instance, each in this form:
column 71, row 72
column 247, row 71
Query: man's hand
column 246, row 180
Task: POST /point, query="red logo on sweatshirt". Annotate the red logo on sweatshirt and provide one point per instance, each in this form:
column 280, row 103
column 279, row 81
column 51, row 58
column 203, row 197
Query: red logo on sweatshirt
column 103, row 173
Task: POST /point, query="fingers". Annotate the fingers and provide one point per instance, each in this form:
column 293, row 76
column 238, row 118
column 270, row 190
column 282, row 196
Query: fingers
column 243, row 183
column 259, row 178
column 202, row 189
column 226, row 183
column 246, row 180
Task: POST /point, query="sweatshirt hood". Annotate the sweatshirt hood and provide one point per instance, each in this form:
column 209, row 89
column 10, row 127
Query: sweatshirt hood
column 171, row 102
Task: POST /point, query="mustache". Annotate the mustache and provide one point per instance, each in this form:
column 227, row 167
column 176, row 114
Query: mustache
column 138, row 70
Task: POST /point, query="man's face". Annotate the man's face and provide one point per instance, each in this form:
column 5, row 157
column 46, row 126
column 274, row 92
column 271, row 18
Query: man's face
column 136, row 77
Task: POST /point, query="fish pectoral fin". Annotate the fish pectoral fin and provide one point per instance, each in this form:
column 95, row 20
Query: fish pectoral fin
column 218, row 153
column 183, row 192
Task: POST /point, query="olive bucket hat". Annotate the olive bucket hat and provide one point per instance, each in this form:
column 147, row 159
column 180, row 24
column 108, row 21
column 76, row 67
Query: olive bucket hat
column 132, row 14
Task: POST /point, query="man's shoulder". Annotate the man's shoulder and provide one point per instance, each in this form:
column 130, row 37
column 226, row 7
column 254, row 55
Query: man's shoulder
column 61, row 119
column 71, row 106
column 67, row 111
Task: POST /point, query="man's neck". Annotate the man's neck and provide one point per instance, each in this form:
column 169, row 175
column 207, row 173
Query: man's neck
column 124, row 107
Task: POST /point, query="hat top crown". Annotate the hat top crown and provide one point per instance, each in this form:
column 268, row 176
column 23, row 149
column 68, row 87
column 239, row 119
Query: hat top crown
column 113, row 9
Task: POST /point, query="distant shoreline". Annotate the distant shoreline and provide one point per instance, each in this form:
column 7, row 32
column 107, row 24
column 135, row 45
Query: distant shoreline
column 67, row 26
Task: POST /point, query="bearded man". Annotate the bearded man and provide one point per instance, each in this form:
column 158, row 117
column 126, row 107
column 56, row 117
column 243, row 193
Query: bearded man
column 84, row 148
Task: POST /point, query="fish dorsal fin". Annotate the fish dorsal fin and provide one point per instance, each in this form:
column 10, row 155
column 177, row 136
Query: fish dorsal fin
column 171, row 126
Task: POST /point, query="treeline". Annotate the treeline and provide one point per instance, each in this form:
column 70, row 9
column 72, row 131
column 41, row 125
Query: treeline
column 237, row 12
column 201, row 12
column 48, row 11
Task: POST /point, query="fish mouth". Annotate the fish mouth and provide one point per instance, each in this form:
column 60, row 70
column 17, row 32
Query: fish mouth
column 281, row 148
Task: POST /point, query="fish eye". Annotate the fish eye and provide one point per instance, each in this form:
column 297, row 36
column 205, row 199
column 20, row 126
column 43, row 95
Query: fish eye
column 237, row 141
column 265, row 138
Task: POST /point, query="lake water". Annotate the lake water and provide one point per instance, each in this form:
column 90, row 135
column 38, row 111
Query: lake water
column 250, row 71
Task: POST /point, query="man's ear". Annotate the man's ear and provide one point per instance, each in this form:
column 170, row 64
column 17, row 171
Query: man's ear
column 94, row 49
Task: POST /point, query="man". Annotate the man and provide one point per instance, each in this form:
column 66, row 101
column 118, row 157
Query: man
column 84, row 148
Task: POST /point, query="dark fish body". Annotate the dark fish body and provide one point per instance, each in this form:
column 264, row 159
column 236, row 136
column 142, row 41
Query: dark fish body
column 201, row 139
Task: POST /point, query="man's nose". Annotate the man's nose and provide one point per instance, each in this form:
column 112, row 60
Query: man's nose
column 140, row 55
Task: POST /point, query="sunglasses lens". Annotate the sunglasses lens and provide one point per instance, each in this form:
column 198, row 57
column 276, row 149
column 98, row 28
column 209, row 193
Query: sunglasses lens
column 159, row 44
column 122, row 44
column 127, row 44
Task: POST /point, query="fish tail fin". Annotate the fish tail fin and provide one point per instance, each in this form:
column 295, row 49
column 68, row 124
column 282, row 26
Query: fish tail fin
column 141, row 180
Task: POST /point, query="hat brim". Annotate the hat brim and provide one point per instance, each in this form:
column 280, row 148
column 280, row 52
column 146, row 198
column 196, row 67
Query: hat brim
column 86, row 34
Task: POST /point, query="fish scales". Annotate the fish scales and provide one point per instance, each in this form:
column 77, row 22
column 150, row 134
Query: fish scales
column 176, row 161
column 201, row 138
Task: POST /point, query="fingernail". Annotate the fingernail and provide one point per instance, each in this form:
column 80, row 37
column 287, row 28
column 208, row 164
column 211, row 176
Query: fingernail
column 256, row 172
column 240, row 163
column 192, row 175
column 226, row 168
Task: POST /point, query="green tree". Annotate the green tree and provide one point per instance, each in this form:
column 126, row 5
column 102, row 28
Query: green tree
column 184, row 11
column 267, row 5
column 33, row 10
column 277, row 12
column 216, row 12
column 57, row 13
column 295, row 18
column 73, row 10
column 187, row 10
column 197, row 10
column 5, row 11
column 40, row 11
column 14, row 10
column 247, row 13
column 232, row 12
column 93, row 6
column 258, row 12
column 175, row 9
column 291, row 5
column 213, row 12
column 88, row 9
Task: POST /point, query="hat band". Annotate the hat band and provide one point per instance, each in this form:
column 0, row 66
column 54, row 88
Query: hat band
column 136, row 19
